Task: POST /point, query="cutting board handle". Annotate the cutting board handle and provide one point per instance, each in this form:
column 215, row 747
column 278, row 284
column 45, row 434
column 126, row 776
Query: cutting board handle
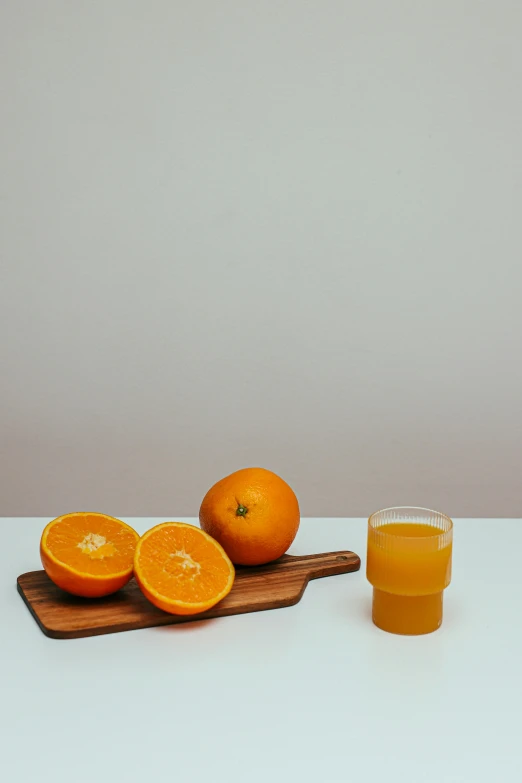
column 324, row 564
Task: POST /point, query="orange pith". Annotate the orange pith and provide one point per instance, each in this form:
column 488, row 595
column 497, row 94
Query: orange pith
column 88, row 554
column 181, row 569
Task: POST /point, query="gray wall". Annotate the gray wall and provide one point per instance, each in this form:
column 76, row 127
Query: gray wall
column 283, row 233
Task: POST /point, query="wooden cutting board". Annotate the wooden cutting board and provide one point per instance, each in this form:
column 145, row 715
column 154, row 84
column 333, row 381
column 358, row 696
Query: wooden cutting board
column 278, row 584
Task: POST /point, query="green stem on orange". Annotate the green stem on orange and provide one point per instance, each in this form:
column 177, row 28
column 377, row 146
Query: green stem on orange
column 241, row 511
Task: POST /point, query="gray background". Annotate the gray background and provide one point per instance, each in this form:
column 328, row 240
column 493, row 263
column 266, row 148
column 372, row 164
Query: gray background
column 282, row 233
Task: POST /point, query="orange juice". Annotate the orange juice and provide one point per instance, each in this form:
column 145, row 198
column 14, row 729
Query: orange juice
column 409, row 566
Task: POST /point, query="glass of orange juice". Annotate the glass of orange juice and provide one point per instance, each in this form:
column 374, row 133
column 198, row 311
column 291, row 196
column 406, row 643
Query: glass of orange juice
column 409, row 566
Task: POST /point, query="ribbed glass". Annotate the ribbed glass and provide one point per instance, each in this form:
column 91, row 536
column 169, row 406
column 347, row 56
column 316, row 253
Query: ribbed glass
column 412, row 562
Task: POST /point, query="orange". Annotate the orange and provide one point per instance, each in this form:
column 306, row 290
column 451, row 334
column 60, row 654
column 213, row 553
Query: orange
column 181, row 569
column 253, row 514
column 88, row 554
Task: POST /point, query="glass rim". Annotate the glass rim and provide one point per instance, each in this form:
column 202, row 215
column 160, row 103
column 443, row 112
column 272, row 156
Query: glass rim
column 410, row 508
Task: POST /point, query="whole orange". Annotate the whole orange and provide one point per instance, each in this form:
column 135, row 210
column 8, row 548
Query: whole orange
column 253, row 514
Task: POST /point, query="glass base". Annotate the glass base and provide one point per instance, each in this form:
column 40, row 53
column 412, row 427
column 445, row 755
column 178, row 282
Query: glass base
column 407, row 614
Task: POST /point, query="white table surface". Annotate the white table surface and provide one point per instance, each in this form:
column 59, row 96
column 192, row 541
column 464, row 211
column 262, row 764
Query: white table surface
column 314, row 692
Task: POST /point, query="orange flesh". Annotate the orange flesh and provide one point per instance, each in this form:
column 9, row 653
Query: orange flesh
column 178, row 564
column 91, row 544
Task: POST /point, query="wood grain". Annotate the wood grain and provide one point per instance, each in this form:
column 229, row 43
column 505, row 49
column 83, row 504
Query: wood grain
column 273, row 586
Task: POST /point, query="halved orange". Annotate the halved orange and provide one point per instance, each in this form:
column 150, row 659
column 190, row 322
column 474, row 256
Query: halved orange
column 181, row 569
column 88, row 554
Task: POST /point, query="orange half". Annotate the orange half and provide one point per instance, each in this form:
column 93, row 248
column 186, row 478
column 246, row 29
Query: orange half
column 181, row 569
column 88, row 554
